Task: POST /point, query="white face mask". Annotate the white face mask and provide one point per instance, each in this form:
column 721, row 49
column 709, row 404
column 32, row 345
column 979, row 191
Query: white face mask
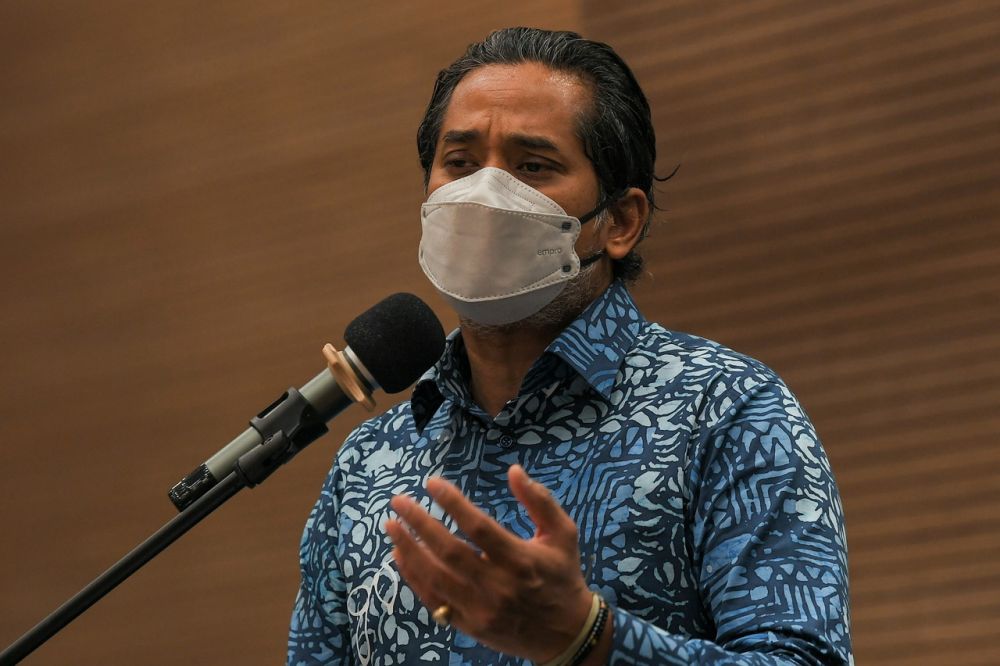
column 497, row 249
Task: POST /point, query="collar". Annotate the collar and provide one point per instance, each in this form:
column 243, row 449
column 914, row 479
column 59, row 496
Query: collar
column 593, row 345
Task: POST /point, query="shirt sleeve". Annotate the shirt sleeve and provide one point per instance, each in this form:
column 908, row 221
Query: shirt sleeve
column 768, row 545
column 320, row 631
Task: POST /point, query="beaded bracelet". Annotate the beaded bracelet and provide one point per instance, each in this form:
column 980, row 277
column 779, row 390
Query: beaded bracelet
column 593, row 637
column 588, row 637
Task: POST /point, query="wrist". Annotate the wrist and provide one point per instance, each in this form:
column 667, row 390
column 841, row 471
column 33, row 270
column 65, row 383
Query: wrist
column 593, row 633
column 567, row 626
column 601, row 654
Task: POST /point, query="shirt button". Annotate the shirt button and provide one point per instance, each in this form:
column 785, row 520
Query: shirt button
column 506, row 441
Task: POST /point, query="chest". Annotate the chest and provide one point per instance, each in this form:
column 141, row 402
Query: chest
column 620, row 478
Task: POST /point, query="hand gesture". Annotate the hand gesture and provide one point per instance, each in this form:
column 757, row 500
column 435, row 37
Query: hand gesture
column 521, row 597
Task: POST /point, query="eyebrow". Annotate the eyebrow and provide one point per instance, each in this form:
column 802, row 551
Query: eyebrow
column 460, row 136
column 523, row 140
column 529, row 141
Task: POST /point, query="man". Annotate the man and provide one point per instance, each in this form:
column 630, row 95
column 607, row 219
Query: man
column 569, row 484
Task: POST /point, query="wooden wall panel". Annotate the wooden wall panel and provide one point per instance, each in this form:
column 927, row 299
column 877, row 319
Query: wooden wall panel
column 194, row 197
column 836, row 216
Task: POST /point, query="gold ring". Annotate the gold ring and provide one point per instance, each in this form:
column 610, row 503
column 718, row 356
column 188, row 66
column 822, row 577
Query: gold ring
column 442, row 614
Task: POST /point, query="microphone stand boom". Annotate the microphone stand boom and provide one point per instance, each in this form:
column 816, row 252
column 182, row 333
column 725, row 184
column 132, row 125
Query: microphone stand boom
column 287, row 426
column 401, row 323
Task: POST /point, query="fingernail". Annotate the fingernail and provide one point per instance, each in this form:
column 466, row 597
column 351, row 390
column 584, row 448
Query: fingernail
column 435, row 486
column 401, row 503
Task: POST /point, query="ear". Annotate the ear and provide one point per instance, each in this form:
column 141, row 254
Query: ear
column 629, row 215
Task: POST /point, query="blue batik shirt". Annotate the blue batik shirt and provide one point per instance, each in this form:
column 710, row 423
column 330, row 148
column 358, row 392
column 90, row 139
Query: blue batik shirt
column 708, row 514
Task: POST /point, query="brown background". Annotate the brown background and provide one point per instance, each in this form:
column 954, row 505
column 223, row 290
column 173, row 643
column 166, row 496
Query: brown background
column 194, row 197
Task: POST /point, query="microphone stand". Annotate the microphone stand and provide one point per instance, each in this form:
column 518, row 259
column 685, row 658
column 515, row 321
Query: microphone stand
column 287, row 426
column 121, row 570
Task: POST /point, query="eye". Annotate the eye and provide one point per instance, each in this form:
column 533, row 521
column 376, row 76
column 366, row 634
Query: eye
column 538, row 167
column 459, row 166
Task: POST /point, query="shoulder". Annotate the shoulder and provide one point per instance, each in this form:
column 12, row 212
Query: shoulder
column 696, row 355
column 711, row 378
column 392, row 428
column 380, row 438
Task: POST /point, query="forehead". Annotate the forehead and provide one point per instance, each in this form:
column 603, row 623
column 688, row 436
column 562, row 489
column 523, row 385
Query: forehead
column 527, row 98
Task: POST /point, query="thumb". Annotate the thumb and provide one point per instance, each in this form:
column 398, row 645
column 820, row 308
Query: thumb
column 551, row 522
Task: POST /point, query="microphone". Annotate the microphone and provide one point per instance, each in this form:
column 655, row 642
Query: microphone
column 389, row 346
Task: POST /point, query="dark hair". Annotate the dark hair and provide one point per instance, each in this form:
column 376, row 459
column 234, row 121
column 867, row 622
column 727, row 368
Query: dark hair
column 616, row 131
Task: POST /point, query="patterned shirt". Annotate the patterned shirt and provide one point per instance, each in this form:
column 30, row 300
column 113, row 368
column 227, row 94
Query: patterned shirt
column 708, row 514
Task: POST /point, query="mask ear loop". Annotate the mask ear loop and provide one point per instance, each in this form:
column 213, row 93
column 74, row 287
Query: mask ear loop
column 601, row 206
column 594, row 213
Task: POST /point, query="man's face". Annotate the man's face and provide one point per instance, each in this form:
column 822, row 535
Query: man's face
column 522, row 119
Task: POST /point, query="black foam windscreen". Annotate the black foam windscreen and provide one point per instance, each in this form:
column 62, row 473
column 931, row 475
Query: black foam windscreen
column 397, row 340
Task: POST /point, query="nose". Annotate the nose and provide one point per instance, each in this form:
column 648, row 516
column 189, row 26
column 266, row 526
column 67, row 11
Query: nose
column 499, row 162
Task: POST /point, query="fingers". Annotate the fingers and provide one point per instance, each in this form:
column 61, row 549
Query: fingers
column 514, row 588
column 445, row 545
column 549, row 518
column 495, row 541
column 412, row 564
column 424, row 574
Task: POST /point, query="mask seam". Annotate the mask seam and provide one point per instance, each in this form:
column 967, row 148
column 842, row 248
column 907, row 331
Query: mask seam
column 524, row 186
column 545, row 218
column 547, row 281
column 506, row 181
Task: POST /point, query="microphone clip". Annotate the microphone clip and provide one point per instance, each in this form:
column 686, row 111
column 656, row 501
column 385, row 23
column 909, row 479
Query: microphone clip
column 286, row 427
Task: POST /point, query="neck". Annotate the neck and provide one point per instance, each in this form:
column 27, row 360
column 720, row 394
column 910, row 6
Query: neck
column 500, row 356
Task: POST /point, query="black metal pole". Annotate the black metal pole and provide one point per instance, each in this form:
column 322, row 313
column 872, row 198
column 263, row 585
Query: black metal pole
column 122, row 569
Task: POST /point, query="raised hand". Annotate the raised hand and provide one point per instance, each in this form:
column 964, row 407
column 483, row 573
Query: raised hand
column 521, row 597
